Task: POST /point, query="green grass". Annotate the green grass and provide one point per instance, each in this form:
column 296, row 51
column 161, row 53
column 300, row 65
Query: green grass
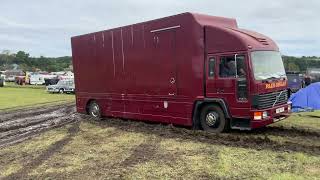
column 133, row 150
column 13, row 97
column 14, row 85
column 121, row 149
column 304, row 121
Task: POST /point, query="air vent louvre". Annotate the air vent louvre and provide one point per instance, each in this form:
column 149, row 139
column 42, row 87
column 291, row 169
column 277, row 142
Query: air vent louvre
column 256, row 36
column 263, row 41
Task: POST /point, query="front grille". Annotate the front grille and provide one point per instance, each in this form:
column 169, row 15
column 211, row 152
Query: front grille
column 264, row 101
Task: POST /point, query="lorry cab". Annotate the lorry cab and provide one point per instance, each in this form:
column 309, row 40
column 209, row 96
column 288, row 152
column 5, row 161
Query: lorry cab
column 249, row 78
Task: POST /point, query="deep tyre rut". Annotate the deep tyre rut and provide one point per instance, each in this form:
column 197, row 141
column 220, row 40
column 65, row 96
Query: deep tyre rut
column 14, row 128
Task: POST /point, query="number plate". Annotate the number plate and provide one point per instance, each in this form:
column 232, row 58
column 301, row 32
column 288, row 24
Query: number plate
column 280, row 110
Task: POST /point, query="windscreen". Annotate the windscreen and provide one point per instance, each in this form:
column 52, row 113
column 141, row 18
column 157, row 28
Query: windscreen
column 60, row 83
column 267, row 65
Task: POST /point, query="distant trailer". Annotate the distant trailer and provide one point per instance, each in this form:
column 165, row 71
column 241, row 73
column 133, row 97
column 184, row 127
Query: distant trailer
column 38, row 79
column 313, row 74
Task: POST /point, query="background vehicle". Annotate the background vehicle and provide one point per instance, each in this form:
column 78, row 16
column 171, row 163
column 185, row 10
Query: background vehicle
column 20, row 80
column 36, row 79
column 295, row 81
column 10, row 75
column 188, row 69
column 313, row 74
column 63, row 86
column 51, row 81
column 1, row 81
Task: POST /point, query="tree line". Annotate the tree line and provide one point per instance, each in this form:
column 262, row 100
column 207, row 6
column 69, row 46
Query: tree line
column 27, row 63
column 300, row 64
column 51, row 64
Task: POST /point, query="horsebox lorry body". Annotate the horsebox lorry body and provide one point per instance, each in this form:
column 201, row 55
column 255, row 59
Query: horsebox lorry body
column 188, row 69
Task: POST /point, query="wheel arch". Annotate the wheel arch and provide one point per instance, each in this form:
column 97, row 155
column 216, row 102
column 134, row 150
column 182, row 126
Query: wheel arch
column 200, row 104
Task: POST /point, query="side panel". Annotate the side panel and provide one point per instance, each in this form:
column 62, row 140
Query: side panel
column 135, row 72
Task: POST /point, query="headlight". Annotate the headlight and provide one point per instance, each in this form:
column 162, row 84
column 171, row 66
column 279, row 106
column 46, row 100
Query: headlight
column 264, row 114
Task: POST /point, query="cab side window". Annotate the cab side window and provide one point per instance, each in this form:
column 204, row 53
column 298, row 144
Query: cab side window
column 231, row 68
column 211, row 67
column 227, row 67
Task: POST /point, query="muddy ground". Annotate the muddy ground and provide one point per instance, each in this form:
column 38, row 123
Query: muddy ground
column 127, row 149
column 17, row 126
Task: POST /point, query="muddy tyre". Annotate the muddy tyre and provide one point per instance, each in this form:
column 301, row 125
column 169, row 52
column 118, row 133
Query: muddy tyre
column 212, row 119
column 94, row 110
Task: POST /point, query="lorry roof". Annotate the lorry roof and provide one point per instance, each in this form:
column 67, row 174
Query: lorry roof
column 201, row 19
column 248, row 39
column 208, row 20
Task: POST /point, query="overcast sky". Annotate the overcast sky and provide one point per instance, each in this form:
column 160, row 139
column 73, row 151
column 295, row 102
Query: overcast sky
column 44, row 27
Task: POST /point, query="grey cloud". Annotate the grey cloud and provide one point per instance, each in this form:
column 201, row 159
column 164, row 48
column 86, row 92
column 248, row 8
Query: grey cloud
column 45, row 27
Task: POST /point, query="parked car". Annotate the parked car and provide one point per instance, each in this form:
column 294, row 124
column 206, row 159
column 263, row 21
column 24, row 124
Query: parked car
column 1, row 81
column 2, row 78
column 63, row 86
column 10, row 75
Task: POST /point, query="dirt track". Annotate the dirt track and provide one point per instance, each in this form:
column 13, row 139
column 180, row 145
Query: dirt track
column 256, row 139
column 17, row 126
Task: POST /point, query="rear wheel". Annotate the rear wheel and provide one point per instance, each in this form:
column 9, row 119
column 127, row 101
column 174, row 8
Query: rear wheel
column 212, row 119
column 94, row 110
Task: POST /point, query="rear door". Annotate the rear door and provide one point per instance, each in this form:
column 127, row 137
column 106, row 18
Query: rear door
column 165, row 64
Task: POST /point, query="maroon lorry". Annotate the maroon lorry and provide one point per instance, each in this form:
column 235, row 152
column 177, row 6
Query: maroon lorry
column 188, row 69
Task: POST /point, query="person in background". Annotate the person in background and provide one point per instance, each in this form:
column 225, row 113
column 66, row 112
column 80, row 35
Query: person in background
column 307, row 80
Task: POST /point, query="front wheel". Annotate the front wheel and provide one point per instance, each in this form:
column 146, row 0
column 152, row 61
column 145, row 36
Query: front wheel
column 61, row 91
column 94, row 110
column 212, row 119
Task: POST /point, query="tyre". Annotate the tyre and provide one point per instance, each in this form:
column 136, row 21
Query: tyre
column 61, row 91
column 94, row 110
column 212, row 119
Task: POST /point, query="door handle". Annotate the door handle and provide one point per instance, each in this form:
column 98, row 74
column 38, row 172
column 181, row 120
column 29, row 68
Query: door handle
column 171, row 94
column 172, row 80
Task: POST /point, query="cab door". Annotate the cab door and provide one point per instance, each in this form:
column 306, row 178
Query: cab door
column 230, row 82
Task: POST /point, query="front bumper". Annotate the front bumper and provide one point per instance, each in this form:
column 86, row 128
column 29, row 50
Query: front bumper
column 273, row 116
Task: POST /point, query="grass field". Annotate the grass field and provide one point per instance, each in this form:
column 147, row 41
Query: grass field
column 124, row 149
column 13, row 96
column 114, row 149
